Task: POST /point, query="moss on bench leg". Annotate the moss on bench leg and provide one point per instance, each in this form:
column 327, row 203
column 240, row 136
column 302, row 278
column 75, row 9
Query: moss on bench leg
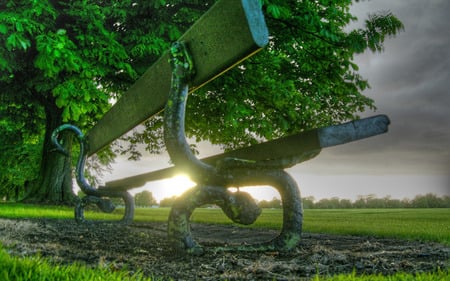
column 292, row 210
column 256, row 175
column 238, row 206
column 106, row 206
column 94, row 196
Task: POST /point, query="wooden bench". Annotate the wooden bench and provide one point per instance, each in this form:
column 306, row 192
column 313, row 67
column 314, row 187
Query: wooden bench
column 227, row 34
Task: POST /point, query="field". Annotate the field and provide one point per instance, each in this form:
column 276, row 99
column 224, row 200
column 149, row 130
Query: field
column 413, row 224
column 421, row 225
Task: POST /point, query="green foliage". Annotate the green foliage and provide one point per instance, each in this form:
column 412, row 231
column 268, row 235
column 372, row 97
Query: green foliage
column 275, row 203
column 65, row 61
column 19, row 165
column 20, row 153
column 167, row 202
column 304, row 79
column 144, row 199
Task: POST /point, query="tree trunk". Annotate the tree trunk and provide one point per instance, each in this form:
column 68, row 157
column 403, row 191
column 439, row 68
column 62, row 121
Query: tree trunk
column 54, row 184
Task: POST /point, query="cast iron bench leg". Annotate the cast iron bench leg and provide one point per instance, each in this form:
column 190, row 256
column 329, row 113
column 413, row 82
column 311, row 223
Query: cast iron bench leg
column 94, row 196
column 240, row 208
column 214, row 180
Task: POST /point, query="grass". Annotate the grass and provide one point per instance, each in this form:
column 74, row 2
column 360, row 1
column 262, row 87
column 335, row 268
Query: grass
column 412, row 224
column 431, row 225
column 38, row 269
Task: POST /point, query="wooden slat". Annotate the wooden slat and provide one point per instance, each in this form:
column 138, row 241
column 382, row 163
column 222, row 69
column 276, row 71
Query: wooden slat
column 228, row 33
column 307, row 145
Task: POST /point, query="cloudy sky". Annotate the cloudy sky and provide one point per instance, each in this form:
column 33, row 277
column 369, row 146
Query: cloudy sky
column 409, row 83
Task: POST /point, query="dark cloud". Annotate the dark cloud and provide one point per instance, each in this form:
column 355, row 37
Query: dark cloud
column 410, row 84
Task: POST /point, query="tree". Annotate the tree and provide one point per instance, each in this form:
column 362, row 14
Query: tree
column 167, row 202
column 308, row 202
column 63, row 61
column 59, row 63
column 275, row 203
column 304, row 79
column 144, row 199
column 428, row 200
column 18, row 157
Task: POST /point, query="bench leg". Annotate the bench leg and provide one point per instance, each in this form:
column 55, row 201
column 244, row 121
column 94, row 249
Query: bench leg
column 238, row 206
column 94, row 196
column 214, row 179
column 241, row 208
column 106, row 206
column 291, row 201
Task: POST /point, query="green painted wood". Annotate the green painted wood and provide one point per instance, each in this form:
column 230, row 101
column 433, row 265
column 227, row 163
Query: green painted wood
column 224, row 36
column 305, row 146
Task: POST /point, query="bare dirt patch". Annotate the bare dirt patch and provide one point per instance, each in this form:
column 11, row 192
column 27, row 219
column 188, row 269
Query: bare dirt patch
column 143, row 247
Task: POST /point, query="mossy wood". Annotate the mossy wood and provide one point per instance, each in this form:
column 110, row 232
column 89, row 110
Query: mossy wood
column 227, row 34
column 304, row 146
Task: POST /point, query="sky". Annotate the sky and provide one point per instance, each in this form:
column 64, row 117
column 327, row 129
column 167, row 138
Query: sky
column 409, row 83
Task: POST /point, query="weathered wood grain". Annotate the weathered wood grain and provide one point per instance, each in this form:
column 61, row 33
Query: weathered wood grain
column 228, row 33
column 304, row 145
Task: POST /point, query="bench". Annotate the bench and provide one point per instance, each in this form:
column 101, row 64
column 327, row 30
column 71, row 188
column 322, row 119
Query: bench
column 228, row 33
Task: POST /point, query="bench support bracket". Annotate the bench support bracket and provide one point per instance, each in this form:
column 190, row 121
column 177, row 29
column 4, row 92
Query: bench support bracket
column 101, row 198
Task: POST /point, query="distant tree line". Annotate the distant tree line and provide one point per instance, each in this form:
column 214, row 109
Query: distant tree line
column 428, row 200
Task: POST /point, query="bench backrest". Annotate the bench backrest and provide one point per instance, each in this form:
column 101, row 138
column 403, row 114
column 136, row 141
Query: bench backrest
column 303, row 146
column 230, row 32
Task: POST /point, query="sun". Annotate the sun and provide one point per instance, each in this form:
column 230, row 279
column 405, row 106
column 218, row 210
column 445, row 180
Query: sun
column 179, row 184
column 182, row 181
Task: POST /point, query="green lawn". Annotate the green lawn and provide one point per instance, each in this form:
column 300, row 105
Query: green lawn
column 414, row 224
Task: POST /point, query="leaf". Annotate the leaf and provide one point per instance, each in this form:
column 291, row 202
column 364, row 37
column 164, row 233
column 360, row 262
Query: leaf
column 273, row 10
column 3, row 29
column 19, row 26
column 11, row 42
column 61, row 102
column 61, row 32
column 25, row 44
column 75, row 111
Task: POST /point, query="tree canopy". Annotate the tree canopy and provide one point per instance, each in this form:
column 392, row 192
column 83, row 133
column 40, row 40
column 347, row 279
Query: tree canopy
column 64, row 61
column 144, row 199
